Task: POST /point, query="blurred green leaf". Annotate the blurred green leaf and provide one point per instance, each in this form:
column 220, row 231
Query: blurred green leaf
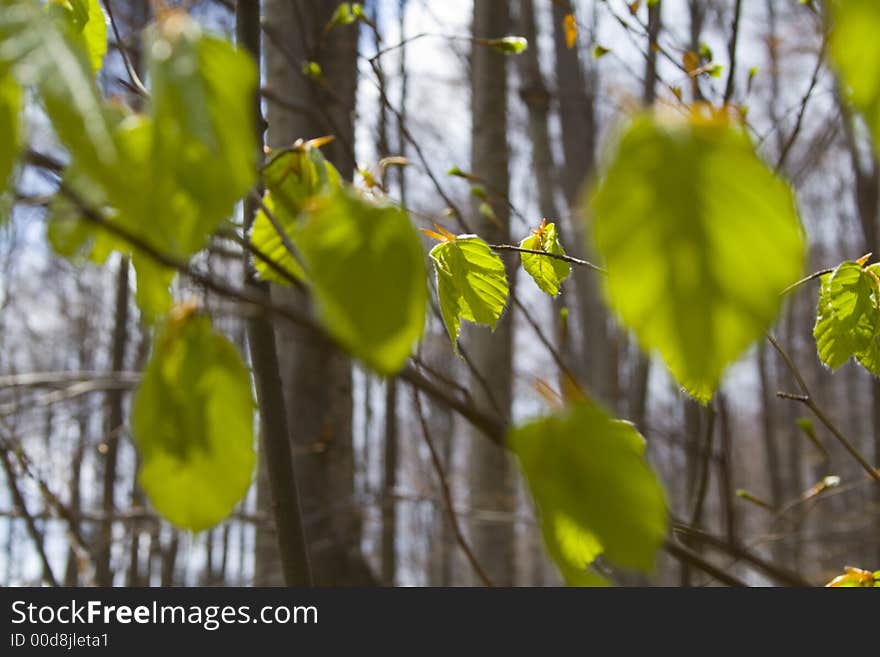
column 593, row 488
column 366, row 268
column 46, row 52
column 203, row 157
column 509, row 45
column 471, row 283
column 291, row 178
column 699, row 238
column 153, row 282
column 87, row 19
column 855, row 51
column 848, row 318
column 193, row 424
column 548, row 273
column 10, row 126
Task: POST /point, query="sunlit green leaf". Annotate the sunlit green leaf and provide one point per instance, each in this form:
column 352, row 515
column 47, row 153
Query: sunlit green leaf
column 366, row 268
column 291, row 178
column 593, row 488
column 471, row 283
column 855, row 50
column 193, row 424
column 203, row 150
column 848, row 317
column 548, row 273
column 153, row 281
column 87, row 19
column 46, row 52
column 699, row 238
column 10, row 126
column 69, row 233
column 509, row 45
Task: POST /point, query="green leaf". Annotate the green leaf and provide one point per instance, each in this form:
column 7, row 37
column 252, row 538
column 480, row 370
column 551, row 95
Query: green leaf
column 366, row 268
column 699, row 238
column 471, row 283
column 204, row 147
column 593, row 488
column 69, row 233
column 87, row 18
column 291, row 178
column 152, row 286
column 848, row 318
column 48, row 53
column 855, row 51
column 548, row 273
column 193, row 424
column 10, row 126
column 509, row 45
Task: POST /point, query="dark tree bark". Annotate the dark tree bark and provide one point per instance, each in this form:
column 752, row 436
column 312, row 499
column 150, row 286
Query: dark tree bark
column 113, row 434
column 492, row 477
column 574, row 93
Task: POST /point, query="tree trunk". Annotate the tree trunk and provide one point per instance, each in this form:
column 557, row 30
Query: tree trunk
column 276, row 462
column 577, row 120
column 115, row 423
column 316, row 377
column 492, row 483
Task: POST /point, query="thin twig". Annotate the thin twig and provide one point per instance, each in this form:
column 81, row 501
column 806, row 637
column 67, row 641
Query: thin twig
column 691, row 558
column 556, row 256
column 814, row 80
column 447, row 493
column 703, row 485
column 136, row 82
column 32, row 529
column 807, row 400
column 731, row 52
column 782, row 575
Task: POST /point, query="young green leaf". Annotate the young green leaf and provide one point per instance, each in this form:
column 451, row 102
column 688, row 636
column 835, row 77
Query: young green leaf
column 87, row 18
column 855, row 51
column 509, row 45
column 547, row 272
column 471, row 283
column 291, row 178
column 848, row 317
column 855, row 578
column 10, row 126
column 203, row 155
column 193, row 424
column 593, row 488
column 48, row 53
column 699, row 238
column 366, row 268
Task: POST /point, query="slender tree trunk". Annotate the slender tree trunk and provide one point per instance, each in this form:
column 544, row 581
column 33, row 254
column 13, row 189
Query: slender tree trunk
column 115, row 423
column 169, row 559
column 276, row 457
column 697, row 14
column 536, row 97
column 576, row 114
column 641, row 370
column 316, row 377
column 389, row 485
column 492, row 481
